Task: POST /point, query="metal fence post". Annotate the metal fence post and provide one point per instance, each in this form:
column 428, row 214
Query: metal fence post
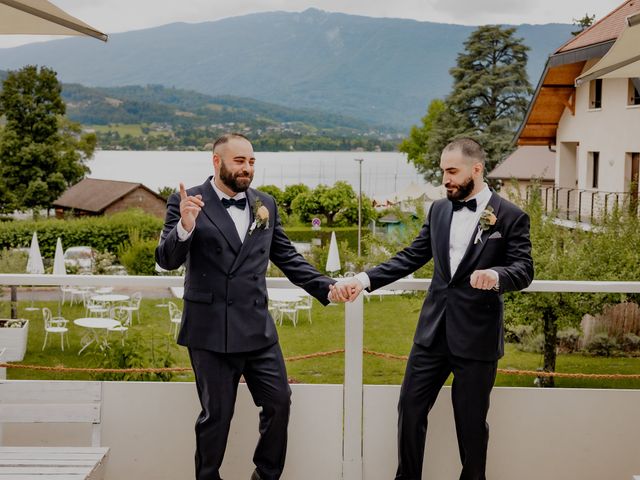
column 352, row 403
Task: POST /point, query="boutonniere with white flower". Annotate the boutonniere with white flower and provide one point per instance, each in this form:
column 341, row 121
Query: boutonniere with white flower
column 487, row 220
column 260, row 217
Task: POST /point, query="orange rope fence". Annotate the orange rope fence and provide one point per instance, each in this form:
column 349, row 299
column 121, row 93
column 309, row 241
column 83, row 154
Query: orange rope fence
column 388, row 356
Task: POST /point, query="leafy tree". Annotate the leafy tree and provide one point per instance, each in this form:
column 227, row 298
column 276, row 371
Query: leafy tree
column 415, row 146
column 165, row 192
column 488, row 100
column 582, row 24
column 41, row 152
column 274, row 191
column 572, row 254
column 338, row 204
column 290, row 193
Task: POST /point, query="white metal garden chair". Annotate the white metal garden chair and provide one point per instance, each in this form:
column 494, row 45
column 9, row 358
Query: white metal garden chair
column 54, row 325
column 124, row 317
column 175, row 316
column 134, row 305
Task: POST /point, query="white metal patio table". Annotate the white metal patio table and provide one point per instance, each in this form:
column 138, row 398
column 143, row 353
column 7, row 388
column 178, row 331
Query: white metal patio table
column 98, row 327
column 110, row 298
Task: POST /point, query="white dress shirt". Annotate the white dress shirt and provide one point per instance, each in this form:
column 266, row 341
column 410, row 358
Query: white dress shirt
column 240, row 217
column 464, row 225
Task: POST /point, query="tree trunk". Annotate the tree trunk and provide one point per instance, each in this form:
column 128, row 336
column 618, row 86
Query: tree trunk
column 550, row 330
column 14, row 301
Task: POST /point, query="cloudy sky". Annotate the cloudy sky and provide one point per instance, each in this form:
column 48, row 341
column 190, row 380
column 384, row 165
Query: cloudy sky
column 112, row 16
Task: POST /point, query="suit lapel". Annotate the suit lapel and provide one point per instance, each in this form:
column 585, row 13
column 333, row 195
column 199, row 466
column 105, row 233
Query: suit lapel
column 249, row 239
column 441, row 230
column 215, row 211
column 474, row 250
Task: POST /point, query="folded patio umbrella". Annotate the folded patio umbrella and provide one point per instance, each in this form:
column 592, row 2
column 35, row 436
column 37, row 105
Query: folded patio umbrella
column 333, row 259
column 34, row 264
column 58, row 260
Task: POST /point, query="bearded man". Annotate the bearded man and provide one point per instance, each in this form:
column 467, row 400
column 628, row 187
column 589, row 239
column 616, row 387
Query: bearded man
column 480, row 246
column 226, row 233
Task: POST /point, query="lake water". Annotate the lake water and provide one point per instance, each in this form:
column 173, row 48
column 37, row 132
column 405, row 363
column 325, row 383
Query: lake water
column 382, row 172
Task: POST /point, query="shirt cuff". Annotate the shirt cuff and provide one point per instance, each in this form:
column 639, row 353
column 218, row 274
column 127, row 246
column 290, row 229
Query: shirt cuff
column 183, row 235
column 363, row 278
column 496, row 287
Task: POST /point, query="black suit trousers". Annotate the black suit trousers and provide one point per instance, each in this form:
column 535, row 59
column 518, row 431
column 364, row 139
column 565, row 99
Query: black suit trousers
column 217, row 377
column 427, row 370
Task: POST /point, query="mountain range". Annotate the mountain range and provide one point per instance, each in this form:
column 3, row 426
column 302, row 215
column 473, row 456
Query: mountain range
column 383, row 71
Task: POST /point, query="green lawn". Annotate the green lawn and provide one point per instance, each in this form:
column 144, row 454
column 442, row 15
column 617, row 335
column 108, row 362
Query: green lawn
column 389, row 326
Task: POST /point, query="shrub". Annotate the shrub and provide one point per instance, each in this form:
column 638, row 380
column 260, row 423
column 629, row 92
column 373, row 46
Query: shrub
column 517, row 333
column 630, row 343
column 569, row 340
column 101, row 233
column 138, row 255
column 135, row 353
column 306, row 234
column 532, row 344
column 602, row 345
column 13, row 261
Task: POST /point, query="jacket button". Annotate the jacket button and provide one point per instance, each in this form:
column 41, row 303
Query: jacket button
column 255, row 276
column 231, row 276
column 230, row 302
column 263, row 250
column 219, row 250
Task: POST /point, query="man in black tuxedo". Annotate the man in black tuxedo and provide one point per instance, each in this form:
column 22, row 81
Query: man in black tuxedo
column 226, row 233
column 480, row 246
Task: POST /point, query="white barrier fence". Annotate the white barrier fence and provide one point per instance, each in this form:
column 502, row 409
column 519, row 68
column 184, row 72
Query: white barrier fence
column 348, row 431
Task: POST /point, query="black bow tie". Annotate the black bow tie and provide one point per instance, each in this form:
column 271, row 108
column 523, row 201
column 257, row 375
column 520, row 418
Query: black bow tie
column 241, row 203
column 471, row 205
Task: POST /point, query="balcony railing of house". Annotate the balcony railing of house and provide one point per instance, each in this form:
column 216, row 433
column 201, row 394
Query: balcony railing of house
column 348, row 431
column 580, row 205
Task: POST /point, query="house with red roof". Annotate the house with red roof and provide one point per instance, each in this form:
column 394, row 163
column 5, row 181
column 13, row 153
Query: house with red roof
column 586, row 108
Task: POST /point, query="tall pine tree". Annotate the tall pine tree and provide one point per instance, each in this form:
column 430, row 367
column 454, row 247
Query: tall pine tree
column 487, row 102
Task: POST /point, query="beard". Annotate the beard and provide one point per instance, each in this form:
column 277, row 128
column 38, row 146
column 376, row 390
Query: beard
column 238, row 182
column 461, row 191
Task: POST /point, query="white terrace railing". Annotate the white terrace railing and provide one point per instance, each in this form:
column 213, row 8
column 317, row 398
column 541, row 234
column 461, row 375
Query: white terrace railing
column 348, row 431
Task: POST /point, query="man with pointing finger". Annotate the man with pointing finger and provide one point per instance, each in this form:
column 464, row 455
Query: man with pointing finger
column 226, row 233
column 480, row 246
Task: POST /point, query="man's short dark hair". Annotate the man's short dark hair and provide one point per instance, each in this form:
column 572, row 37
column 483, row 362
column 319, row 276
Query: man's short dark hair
column 222, row 139
column 469, row 148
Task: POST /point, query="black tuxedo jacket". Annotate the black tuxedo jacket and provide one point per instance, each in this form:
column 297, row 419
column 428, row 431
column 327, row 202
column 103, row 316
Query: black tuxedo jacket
column 225, row 292
column 473, row 318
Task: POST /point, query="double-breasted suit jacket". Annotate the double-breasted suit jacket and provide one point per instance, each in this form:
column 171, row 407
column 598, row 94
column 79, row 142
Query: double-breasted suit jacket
column 225, row 292
column 473, row 318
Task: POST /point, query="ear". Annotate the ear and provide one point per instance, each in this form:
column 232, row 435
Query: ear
column 216, row 161
column 478, row 169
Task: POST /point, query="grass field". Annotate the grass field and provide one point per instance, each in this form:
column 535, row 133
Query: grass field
column 389, row 326
column 135, row 130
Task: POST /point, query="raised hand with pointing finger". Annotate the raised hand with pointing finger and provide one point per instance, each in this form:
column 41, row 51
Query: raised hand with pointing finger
column 190, row 207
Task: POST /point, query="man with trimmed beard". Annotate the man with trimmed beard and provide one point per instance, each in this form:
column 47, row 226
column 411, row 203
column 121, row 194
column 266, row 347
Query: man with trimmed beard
column 226, row 233
column 480, row 246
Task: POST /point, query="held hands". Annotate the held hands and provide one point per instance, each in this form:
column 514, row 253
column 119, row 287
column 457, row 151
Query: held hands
column 190, row 207
column 346, row 290
column 483, row 279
